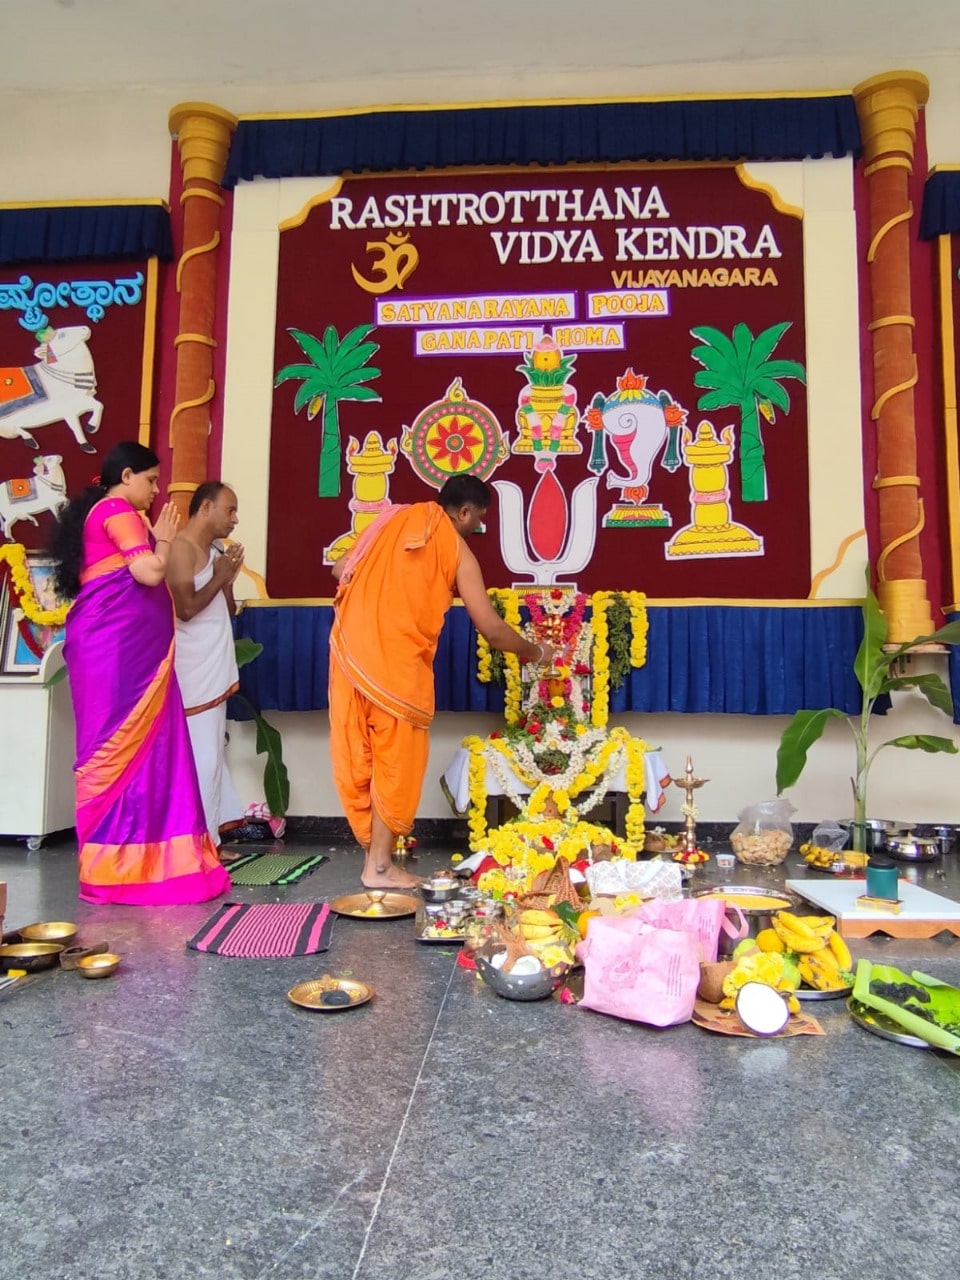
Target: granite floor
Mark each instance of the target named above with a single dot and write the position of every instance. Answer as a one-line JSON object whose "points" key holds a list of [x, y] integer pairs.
{"points": [[183, 1119]]}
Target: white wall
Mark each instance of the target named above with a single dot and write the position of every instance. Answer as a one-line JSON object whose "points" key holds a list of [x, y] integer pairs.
{"points": [[89, 145], [737, 753]]}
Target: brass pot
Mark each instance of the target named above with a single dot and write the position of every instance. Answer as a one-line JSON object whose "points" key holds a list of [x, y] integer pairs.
{"points": [[30, 956]]}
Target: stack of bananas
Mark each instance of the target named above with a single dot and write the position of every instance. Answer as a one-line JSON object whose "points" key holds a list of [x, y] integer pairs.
{"points": [[821, 956], [546, 935], [815, 855]]}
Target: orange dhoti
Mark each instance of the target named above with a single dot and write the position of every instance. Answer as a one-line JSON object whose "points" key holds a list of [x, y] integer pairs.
{"points": [[378, 761], [394, 594]]}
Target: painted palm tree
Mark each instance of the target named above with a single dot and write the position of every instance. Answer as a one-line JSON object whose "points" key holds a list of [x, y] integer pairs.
{"points": [[739, 372], [337, 372]]}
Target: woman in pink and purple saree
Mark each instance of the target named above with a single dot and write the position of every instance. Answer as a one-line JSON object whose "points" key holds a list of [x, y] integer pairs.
{"points": [[140, 822]]}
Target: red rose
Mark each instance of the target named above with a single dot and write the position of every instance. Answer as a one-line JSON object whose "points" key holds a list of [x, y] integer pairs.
{"points": [[496, 734], [533, 726], [581, 669], [555, 594], [548, 843]]}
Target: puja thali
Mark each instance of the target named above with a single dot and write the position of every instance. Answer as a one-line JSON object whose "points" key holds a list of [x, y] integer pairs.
{"points": [[375, 904], [879, 1024], [330, 995]]}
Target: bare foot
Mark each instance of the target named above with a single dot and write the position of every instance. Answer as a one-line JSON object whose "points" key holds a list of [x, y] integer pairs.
{"points": [[390, 877]]}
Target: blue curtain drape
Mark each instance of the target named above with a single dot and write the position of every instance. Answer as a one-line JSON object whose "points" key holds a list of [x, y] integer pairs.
{"points": [[789, 128], [700, 658], [953, 671], [940, 214], [71, 232]]}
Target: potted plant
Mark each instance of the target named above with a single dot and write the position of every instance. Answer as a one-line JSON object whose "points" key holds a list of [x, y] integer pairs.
{"points": [[874, 667]]}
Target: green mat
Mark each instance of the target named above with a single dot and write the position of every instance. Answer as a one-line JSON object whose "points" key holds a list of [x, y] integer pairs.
{"points": [[273, 868]]}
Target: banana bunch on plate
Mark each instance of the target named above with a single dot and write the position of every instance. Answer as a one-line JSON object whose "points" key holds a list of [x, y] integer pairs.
{"points": [[816, 856], [821, 956]]}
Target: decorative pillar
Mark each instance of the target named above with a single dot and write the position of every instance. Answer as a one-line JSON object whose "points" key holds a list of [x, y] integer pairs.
{"points": [[888, 107], [203, 134]]}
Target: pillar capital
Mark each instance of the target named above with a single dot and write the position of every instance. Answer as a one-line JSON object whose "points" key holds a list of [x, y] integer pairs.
{"points": [[203, 132], [888, 106]]}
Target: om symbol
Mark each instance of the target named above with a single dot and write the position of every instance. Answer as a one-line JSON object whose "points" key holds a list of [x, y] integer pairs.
{"points": [[398, 259]]}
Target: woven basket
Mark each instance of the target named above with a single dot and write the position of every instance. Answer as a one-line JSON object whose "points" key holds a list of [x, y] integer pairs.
{"points": [[551, 887]]}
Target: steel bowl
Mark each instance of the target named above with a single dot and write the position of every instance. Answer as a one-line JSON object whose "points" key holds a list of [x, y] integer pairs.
{"points": [[911, 848], [758, 918], [433, 894], [947, 835], [527, 986], [30, 956], [99, 966], [49, 931]]}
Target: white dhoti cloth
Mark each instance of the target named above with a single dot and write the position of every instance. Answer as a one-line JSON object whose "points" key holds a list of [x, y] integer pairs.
{"points": [[206, 666]]}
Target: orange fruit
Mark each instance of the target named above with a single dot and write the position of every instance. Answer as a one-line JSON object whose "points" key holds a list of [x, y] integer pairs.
{"points": [[583, 921]]}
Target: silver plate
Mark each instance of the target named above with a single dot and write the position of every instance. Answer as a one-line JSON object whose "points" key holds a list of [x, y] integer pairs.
{"points": [[879, 1024], [424, 921], [807, 993]]}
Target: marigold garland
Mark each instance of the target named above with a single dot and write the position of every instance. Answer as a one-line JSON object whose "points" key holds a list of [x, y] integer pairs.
{"points": [[22, 588]]}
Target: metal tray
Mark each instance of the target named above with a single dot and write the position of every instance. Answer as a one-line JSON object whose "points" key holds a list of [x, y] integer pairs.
{"points": [[376, 904], [806, 993], [316, 994], [422, 921], [879, 1024]]}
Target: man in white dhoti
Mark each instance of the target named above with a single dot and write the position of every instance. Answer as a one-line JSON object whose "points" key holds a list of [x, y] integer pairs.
{"points": [[200, 574]]}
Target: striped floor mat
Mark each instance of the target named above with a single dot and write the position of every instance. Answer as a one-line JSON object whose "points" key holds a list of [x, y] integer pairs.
{"points": [[266, 930], [273, 868]]}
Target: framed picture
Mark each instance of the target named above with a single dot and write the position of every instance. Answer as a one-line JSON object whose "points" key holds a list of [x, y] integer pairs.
{"points": [[19, 658]]}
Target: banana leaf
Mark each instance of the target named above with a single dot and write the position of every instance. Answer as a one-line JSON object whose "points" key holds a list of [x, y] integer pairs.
{"points": [[939, 999]]}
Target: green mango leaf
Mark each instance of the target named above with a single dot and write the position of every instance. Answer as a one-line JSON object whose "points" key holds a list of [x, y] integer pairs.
{"points": [[924, 742], [796, 740], [567, 912], [930, 685], [872, 663], [247, 650]]}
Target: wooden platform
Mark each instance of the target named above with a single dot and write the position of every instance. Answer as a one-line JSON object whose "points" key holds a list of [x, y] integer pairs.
{"points": [[922, 914]]}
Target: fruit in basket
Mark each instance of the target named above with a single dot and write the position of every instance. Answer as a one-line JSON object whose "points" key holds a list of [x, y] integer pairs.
{"points": [[770, 940], [772, 969], [818, 972], [822, 958], [539, 925]]}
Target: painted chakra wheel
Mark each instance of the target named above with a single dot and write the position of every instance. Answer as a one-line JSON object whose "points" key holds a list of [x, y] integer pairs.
{"points": [[454, 436]]}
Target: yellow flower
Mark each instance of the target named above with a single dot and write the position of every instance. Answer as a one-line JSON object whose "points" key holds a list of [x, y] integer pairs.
{"points": [[456, 857], [580, 730], [556, 701], [16, 556], [476, 781]]}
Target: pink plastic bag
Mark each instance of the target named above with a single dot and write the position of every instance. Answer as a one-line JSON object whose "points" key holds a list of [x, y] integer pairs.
{"points": [[703, 917], [633, 970]]}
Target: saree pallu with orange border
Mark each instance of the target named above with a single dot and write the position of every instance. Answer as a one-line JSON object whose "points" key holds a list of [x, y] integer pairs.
{"points": [[140, 824]]}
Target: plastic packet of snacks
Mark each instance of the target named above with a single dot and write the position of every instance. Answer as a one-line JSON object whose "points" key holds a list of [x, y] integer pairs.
{"points": [[647, 879]]}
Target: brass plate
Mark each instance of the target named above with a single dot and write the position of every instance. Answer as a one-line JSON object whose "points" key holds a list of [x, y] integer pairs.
{"points": [[880, 1025], [325, 995], [49, 931], [375, 904], [30, 955]]}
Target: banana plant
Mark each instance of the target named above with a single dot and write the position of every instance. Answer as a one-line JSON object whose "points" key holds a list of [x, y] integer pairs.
{"points": [[276, 783], [337, 372], [873, 666]]}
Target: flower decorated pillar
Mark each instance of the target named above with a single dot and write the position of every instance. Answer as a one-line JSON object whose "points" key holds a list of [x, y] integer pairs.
{"points": [[888, 107], [203, 134]]}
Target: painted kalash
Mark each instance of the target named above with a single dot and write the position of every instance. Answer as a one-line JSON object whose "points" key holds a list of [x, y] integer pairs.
{"points": [[556, 758]]}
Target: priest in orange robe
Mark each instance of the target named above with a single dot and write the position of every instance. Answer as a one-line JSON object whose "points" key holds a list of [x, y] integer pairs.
{"points": [[395, 587]]}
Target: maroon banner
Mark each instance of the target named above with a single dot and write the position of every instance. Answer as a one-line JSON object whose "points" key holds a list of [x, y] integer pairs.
{"points": [[76, 361], [618, 353]]}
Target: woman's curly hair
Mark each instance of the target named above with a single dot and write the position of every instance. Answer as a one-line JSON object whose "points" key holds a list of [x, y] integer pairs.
{"points": [[66, 546]]}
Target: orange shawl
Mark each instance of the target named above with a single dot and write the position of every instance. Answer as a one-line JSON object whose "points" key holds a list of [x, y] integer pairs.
{"points": [[390, 607]]}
